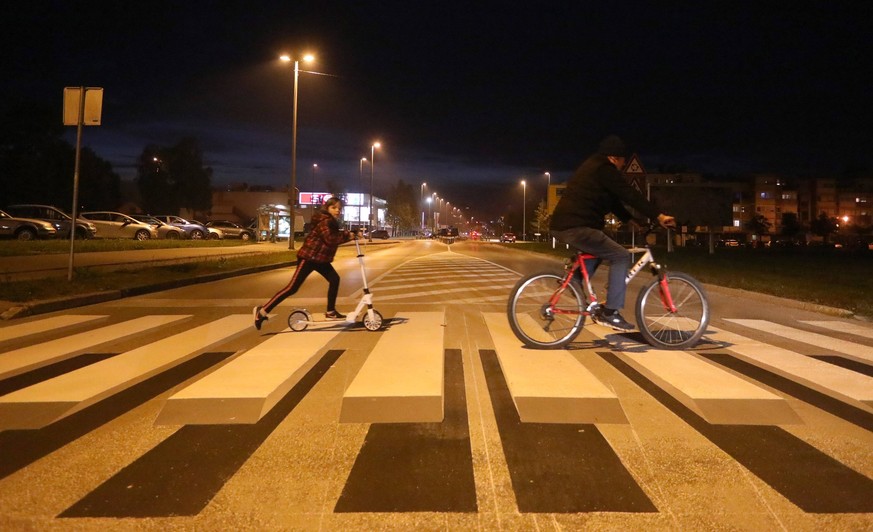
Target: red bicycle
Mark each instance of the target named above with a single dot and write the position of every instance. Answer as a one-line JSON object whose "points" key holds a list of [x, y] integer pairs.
{"points": [[547, 310]]}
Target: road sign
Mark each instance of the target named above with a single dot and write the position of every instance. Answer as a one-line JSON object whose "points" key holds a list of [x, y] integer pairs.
{"points": [[93, 106]]}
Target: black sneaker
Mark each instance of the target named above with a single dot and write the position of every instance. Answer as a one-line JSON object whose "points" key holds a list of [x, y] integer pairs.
{"points": [[334, 315], [612, 319], [259, 318]]}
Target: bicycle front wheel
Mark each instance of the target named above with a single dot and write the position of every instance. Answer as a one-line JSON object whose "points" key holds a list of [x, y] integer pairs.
{"points": [[535, 322], [673, 330]]}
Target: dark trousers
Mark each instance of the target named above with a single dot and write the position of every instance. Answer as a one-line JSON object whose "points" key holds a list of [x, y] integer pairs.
{"points": [[616, 256], [304, 268]]}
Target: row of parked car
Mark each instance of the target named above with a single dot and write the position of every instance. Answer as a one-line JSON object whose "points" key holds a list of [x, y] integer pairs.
{"points": [[29, 222]]}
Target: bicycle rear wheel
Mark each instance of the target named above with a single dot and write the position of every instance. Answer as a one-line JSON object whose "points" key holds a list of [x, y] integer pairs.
{"points": [[673, 330], [531, 319]]}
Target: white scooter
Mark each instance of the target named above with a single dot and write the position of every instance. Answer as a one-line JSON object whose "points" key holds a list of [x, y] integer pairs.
{"points": [[300, 318]]}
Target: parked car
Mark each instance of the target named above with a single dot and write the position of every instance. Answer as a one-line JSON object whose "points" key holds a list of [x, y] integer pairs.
{"points": [[58, 218], [508, 237], [164, 231], [213, 233], [25, 228], [116, 225], [191, 229], [231, 230], [380, 233]]}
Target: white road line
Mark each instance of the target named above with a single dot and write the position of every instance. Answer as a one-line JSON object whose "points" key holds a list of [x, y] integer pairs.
{"points": [[859, 352], [719, 397], [246, 388], [403, 378], [840, 383], [842, 326], [35, 356], [53, 324], [550, 386], [48, 401]]}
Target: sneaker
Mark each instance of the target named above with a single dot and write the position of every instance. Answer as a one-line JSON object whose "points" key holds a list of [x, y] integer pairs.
{"points": [[611, 318], [334, 315], [259, 318]]}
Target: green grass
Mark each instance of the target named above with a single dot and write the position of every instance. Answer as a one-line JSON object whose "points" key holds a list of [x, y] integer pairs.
{"points": [[835, 279], [13, 248]]}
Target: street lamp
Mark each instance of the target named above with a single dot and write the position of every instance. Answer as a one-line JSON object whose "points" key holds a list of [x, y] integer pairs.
{"points": [[523, 210], [548, 188], [421, 202], [372, 171], [314, 168], [292, 200], [361, 185]]}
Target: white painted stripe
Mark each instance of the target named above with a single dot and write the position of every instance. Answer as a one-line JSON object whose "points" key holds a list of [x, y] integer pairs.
{"points": [[36, 356], [714, 394], [844, 327], [550, 386], [48, 401], [246, 388], [402, 380], [840, 383], [53, 324], [859, 352]]}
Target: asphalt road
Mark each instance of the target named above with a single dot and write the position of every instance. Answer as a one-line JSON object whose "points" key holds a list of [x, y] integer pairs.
{"points": [[798, 458]]}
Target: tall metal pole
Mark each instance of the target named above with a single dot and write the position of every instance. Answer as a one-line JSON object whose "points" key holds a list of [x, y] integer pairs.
{"points": [[361, 186], [523, 210], [76, 180], [292, 198], [372, 171]]}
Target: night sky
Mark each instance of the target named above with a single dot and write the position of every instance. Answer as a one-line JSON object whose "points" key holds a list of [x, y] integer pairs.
{"points": [[470, 97]]}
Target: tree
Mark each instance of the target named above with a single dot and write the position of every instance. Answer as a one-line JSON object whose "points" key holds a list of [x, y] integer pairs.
{"points": [[790, 225], [542, 218], [170, 179], [759, 225], [401, 206], [823, 226], [37, 164]]}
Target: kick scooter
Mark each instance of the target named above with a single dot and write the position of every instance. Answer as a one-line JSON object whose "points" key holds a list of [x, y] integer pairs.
{"points": [[300, 318]]}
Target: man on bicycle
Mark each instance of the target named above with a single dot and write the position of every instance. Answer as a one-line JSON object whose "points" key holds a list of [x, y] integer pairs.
{"points": [[596, 189]]}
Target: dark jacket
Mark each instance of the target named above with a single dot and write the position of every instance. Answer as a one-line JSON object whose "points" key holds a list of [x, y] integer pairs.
{"points": [[596, 189], [321, 243]]}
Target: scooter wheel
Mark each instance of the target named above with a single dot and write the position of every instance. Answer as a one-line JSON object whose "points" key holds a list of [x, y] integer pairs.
{"points": [[373, 324], [299, 320]]}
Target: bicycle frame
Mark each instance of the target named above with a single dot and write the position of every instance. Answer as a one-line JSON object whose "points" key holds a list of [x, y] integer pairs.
{"points": [[578, 263]]}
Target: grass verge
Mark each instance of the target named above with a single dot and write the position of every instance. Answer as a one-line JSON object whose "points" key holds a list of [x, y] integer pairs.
{"points": [[832, 278]]}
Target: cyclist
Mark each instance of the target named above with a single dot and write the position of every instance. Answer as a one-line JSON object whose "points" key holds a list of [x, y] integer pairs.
{"points": [[596, 189]]}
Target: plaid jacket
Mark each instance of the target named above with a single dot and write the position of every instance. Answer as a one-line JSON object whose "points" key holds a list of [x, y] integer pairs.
{"points": [[321, 242]]}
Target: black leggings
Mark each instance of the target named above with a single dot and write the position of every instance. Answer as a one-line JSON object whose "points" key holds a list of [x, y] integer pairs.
{"points": [[304, 268]]}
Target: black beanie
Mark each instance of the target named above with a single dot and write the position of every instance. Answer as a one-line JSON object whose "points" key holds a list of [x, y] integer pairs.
{"points": [[612, 145]]}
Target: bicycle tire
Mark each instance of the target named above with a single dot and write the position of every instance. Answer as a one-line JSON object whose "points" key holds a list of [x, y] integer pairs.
{"points": [[664, 329], [527, 314]]}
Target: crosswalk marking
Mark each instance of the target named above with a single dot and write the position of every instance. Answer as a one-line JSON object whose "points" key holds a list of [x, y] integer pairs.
{"points": [[550, 386], [842, 326], [854, 351], [35, 356], [837, 382], [46, 402], [717, 396], [249, 386], [54, 324], [402, 380]]}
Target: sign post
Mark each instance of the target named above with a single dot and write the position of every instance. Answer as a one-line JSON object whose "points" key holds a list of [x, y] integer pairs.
{"points": [[83, 106]]}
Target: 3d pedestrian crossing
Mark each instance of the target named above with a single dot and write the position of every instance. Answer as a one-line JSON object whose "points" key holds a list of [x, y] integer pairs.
{"points": [[402, 381]]}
